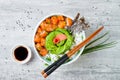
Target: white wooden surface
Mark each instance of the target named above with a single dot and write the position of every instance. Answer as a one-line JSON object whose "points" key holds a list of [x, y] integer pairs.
{"points": [[18, 20]]}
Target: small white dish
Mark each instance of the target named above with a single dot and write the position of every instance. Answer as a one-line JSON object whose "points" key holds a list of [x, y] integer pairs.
{"points": [[29, 54]]}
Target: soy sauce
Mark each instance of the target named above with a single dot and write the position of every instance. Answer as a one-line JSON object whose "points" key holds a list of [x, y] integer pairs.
{"points": [[21, 53]]}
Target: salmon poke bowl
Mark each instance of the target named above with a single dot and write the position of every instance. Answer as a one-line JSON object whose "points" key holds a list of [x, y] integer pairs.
{"points": [[52, 38]]}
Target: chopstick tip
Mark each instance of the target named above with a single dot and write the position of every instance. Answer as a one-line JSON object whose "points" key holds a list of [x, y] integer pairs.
{"points": [[102, 26], [42, 72], [45, 75]]}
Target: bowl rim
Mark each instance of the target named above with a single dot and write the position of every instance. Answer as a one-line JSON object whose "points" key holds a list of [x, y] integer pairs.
{"points": [[36, 52]]}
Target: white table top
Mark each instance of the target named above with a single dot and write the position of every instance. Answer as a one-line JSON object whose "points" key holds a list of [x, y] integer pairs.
{"points": [[18, 20]]}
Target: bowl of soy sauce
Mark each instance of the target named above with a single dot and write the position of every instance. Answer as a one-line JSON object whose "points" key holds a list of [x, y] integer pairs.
{"points": [[22, 54]]}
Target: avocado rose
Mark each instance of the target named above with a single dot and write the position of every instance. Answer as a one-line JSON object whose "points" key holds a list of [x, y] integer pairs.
{"points": [[58, 41]]}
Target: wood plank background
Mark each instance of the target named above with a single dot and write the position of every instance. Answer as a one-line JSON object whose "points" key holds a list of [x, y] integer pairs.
{"points": [[18, 20]]}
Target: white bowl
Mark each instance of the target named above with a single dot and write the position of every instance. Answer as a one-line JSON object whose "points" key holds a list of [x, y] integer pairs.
{"points": [[74, 57]]}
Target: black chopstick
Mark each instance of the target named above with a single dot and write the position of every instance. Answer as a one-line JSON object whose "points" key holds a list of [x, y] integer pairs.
{"points": [[56, 62], [55, 66]]}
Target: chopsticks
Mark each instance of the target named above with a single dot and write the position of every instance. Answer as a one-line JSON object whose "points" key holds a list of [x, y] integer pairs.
{"points": [[65, 57]]}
